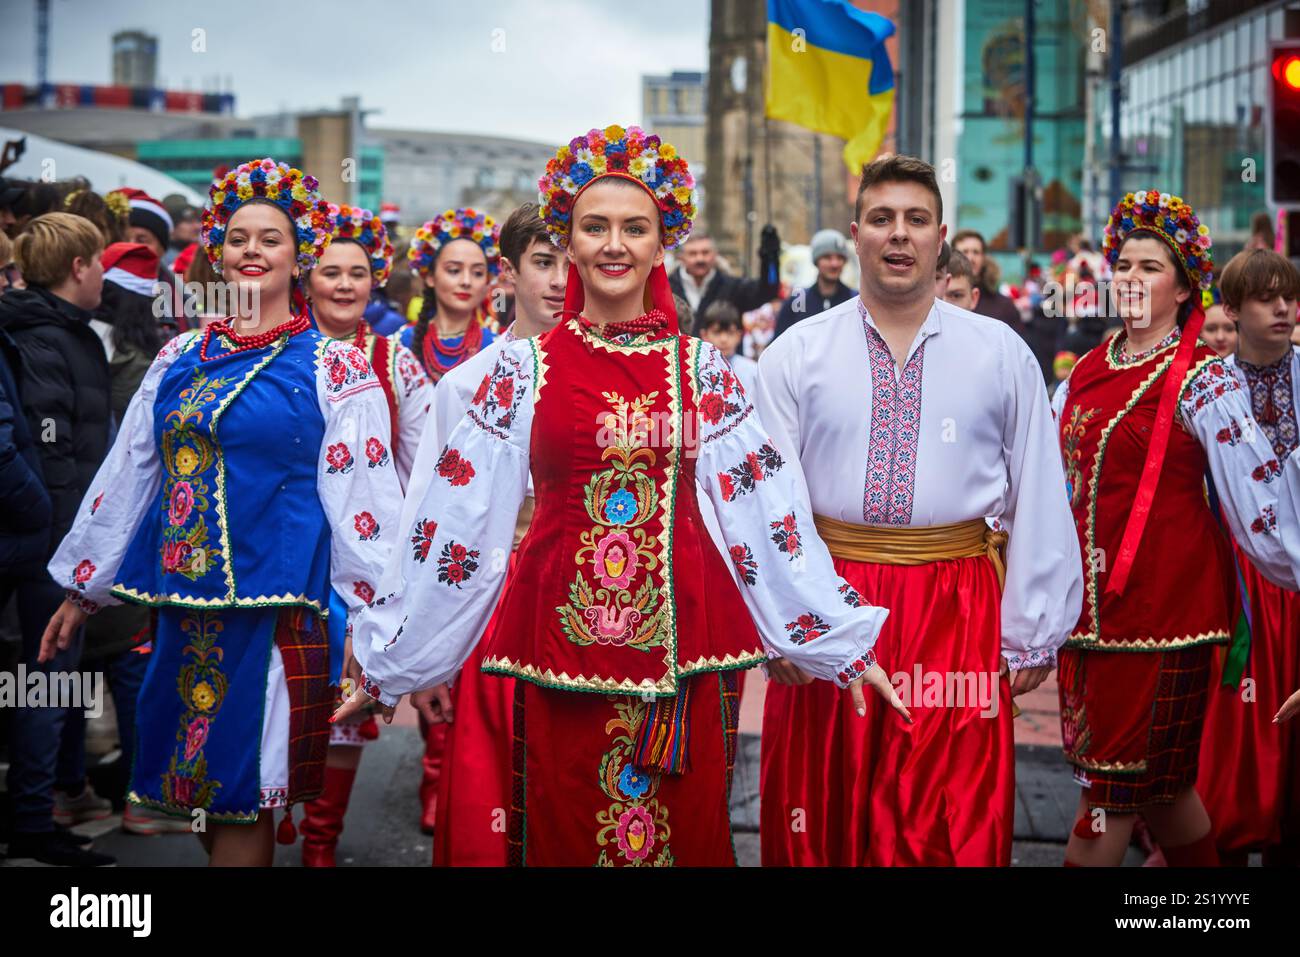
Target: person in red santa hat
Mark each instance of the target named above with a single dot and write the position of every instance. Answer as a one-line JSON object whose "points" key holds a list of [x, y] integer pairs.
{"points": [[149, 224]]}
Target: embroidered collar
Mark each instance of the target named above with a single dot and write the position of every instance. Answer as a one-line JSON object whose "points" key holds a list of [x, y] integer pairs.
{"points": [[932, 326], [1119, 360], [1279, 367]]}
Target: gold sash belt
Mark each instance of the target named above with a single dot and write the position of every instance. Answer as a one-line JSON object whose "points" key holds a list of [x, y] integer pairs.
{"points": [[903, 545]]}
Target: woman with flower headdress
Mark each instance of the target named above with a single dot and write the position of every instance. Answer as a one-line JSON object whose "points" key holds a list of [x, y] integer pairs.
{"points": [[621, 622], [358, 259], [1141, 419], [456, 276], [223, 507]]}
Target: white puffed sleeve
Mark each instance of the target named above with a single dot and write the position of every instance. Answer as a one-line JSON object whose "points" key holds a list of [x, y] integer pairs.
{"points": [[414, 392], [1247, 475], [1043, 591], [804, 611], [446, 577], [123, 490], [356, 478]]}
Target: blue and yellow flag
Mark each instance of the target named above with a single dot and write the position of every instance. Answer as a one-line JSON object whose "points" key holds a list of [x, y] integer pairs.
{"points": [[828, 70]]}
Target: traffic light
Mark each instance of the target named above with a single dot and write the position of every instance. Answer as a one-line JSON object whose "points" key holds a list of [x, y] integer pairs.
{"points": [[1284, 124]]}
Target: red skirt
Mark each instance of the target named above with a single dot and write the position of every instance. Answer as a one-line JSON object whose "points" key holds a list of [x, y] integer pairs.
{"points": [[474, 792], [1131, 722], [578, 801], [840, 790], [1248, 765]]}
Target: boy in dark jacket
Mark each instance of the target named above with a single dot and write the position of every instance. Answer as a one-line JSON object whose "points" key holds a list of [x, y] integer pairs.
{"points": [[65, 399]]}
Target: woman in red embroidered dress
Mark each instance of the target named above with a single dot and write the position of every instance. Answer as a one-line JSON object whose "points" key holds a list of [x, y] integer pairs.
{"points": [[1141, 418], [623, 623]]}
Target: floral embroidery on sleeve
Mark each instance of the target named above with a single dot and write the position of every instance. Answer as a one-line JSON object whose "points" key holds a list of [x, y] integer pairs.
{"points": [[1267, 472], [857, 668], [422, 540], [339, 458], [1209, 384], [851, 596], [346, 370], [409, 371], [454, 467], [457, 564], [376, 453], [94, 506], [785, 535], [496, 403], [84, 571], [366, 526], [364, 591], [1265, 522], [746, 567], [807, 627], [742, 478]]}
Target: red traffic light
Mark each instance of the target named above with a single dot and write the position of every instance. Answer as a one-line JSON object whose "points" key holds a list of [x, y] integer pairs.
{"points": [[1286, 70]]}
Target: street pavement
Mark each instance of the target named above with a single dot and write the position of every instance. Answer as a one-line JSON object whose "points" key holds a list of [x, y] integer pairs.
{"points": [[382, 825]]}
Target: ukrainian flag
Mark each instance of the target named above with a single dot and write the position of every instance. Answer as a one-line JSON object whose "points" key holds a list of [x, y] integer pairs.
{"points": [[828, 70]]}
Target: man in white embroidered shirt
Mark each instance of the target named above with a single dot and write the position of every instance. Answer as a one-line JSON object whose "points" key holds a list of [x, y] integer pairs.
{"points": [[914, 419]]}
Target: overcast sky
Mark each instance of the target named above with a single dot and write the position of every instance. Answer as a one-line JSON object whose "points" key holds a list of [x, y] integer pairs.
{"points": [[567, 65]]}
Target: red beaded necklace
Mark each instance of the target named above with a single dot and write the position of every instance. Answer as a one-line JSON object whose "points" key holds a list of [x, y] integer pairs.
{"points": [[359, 337], [469, 345], [242, 343], [645, 324]]}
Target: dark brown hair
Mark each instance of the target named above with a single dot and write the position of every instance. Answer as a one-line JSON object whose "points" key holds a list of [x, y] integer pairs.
{"points": [[1257, 272], [522, 228], [721, 315], [898, 168]]}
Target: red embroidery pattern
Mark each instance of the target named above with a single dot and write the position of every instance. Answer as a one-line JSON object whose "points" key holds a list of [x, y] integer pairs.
{"points": [[785, 535], [457, 564], [496, 403], [344, 366], [94, 506], [742, 478], [339, 458], [1267, 472], [85, 569], [857, 668], [364, 591], [455, 468], [1265, 522], [366, 526], [746, 567], [1209, 385], [895, 432], [376, 453], [807, 627], [1230, 434], [422, 540], [851, 596]]}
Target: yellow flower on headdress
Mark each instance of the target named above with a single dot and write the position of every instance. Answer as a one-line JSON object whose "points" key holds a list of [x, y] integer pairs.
{"points": [[477, 234], [449, 214], [598, 164], [667, 151], [245, 192], [1203, 230], [682, 193], [299, 193], [615, 132]]}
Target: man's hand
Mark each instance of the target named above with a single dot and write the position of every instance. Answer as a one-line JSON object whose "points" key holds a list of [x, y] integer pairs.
{"points": [[58, 633], [784, 672], [434, 703], [356, 704], [879, 681], [1026, 679]]}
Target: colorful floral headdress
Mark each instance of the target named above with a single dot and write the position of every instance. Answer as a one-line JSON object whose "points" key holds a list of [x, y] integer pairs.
{"points": [[1174, 221], [286, 187], [629, 153], [463, 223], [353, 222]]}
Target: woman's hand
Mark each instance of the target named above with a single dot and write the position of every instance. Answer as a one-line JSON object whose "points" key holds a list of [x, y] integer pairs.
{"points": [[875, 677], [1026, 679], [1290, 708], [434, 703], [58, 633]]}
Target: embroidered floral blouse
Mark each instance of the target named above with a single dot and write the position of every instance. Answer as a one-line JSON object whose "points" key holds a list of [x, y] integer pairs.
{"points": [[1215, 409], [802, 609], [355, 480]]}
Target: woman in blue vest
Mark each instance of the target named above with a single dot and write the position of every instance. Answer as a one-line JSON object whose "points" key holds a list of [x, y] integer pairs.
{"points": [[251, 474]]}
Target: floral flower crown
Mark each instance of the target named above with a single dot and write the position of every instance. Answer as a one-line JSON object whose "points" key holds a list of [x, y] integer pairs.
{"points": [[463, 223], [1170, 218], [616, 151], [286, 187], [353, 222]]}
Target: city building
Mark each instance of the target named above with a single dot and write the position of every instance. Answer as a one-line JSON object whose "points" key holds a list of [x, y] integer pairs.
{"points": [[1193, 109], [674, 107], [135, 59]]}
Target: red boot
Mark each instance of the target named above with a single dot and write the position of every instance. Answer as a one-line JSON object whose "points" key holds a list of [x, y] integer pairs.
{"points": [[323, 822], [435, 742]]}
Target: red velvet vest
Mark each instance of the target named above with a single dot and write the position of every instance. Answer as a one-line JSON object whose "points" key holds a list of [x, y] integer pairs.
{"points": [[1181, 588], [617, 585]]}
